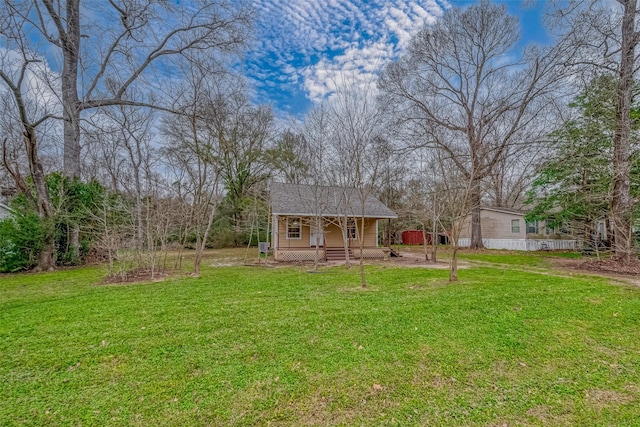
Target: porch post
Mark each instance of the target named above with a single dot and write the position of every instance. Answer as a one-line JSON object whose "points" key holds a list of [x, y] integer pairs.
{"points": [[274, 232]]}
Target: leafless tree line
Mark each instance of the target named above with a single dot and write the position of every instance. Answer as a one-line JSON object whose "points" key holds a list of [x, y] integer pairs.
{"points": [[188, 149]]}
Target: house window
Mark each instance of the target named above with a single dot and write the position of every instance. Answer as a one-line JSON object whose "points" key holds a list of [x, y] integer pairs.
{"points": [[352, 230], [515, 225], [550, 230], [294, 228], [532, 227]]}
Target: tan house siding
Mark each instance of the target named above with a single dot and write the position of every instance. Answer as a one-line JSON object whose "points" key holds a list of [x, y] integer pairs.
{"points": [[370, 232], [496, 225], [332, 235], [497, 233], [284, 243]]}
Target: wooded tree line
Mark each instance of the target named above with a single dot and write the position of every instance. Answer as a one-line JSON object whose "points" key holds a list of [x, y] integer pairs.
{"points": [[135, 131]]}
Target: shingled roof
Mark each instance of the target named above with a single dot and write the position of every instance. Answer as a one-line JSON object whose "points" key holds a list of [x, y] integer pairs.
{"points": [[309, 200]]}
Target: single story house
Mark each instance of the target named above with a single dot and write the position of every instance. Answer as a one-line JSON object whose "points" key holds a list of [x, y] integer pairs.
{"points": [[504, 228], [304, 217]]}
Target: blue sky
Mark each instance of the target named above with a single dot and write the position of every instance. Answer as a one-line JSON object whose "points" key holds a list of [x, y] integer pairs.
{"points": [[302, 46]]}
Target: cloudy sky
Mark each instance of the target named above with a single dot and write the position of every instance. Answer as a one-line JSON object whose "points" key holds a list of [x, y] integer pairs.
{"points": [[303, 46]]}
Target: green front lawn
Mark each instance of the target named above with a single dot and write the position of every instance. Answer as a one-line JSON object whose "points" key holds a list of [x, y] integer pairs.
{"points": [[280, 346], [531, 259]]}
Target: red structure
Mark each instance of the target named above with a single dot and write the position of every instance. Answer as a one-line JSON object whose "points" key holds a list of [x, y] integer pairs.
{"points": [[414, 237]]}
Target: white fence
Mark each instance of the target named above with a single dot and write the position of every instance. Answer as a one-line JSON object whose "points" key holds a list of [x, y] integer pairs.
{"points": [[525, 244]]}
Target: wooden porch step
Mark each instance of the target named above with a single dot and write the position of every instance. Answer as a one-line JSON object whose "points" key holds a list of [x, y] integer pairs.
{"points": [[337, 254]]}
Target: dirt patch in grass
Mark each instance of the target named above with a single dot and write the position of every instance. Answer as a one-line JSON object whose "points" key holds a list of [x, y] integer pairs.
{"points": [[610, 266], [416, 260], [135, 276], [599, 267], [541, 412], [600, 399], [407, 260], [546, 415], [226, 262], [430, 285]]}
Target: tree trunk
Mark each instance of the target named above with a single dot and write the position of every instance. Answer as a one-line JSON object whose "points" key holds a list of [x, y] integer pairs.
{"points": [[424, 241], [70, 102], [202, 241], [476, 228], [47, 257], [345, 241], [621, 204], [434, 241], [319, 227], [139, 221], [198, 257], [70, 43], [363, 279], [453, 266]]}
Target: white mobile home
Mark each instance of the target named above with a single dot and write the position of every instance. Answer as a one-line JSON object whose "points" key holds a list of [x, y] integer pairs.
{"points": [[504, 228]]}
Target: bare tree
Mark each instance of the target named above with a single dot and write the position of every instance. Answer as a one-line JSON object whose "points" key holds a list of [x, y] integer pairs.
{"points": [[466, 75], [458, 196], [18, 73], [120, 150], [512, 175], [357, 152], [120, 144], [243, 133], [428, 201], [108, 47], [133, 43], [190, 154], [315, 131]]}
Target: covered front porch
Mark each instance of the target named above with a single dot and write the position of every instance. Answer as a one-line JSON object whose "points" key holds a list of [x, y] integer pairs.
{"points": [[303, 238]]}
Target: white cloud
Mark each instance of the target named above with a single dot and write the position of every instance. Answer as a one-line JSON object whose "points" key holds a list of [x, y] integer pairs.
{"points": [[319, 42]]}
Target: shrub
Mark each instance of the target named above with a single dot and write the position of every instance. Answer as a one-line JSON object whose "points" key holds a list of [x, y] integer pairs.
{"points": [[21, 238]]}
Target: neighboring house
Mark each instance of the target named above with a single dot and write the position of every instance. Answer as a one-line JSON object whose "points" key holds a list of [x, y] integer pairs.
{"points": [[504, 228], [305, 215]]}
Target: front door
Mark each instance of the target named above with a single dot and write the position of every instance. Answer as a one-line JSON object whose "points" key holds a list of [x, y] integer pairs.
{"points": [[316, 236]]}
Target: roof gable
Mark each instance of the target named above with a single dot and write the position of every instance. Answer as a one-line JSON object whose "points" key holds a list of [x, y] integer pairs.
{"points": [[309, 200], [504, 210]]}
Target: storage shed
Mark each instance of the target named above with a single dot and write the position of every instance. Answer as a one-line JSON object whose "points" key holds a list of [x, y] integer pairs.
{"points": [[412, 237]]}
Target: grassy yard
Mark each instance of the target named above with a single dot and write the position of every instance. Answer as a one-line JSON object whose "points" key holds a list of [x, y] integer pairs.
{"points": [[281, 346]]}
